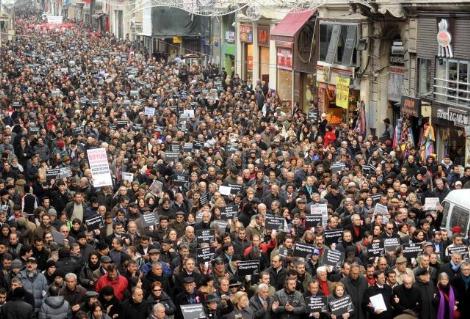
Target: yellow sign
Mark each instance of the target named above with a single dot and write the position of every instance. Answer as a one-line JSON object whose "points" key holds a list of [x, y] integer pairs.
{"points": [[342, 92], [177, 40]]}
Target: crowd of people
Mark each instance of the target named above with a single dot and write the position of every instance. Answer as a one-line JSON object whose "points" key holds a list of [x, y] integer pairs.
{"points": [[223, 204]]}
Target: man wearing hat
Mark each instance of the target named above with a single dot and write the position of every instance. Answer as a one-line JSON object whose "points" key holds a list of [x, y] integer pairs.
{"points": [[401, 270], [188, 296], [34, 282], [427, 292]]}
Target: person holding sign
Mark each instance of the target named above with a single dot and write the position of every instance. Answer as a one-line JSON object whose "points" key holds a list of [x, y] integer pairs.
{"points": [[315, 301], [288, 302], [378, 298], [339, 303]]}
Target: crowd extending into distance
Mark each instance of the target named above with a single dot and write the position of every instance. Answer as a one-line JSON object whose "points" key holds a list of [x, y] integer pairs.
{"points": [[223, 203]]}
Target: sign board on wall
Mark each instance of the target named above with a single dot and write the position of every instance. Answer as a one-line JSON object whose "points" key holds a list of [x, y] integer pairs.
{"points": [[410, 106], [342, 92], [457, 116], [263, 35], [246, 33], [284, 58]]}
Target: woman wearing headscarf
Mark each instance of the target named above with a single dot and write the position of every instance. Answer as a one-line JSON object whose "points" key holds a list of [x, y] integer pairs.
{"points": [[445, 298]]}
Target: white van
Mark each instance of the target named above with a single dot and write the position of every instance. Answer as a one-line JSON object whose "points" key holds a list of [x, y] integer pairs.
{"points": [[456, 210]]}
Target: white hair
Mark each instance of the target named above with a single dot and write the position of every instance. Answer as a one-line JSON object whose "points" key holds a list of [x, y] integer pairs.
{"points": [[321, 269]]}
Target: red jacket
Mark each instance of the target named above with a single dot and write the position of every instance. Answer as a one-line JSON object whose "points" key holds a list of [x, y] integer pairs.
{"points": [[329, 138], [119, 285]]}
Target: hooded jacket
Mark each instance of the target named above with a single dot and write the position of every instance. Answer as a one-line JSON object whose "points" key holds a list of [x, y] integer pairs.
{"points": [[55, 307]]}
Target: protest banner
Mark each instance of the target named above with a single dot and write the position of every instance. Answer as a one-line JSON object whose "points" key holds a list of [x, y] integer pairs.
{"points": [[156, 187], [462, 250], [333, 236], [247, 267], [274, 223], [431, 203], [229, 211], [340, 306], [337, 167], [180, 178], [316, 304], [99, 166], [375, 249], [221, 225], [312, 221], [195, 311], [126, 176], [391, 244], [411, 250], [333, 257], [205, 236], [205, 254], [150, 219], [303, 250], [224, 190], [320, 210], [94, 222], [149, 111]]}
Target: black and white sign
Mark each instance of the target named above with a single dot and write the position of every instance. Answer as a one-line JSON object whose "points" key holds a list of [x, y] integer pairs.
{"points": [[391, 244], [312, 221], [333, 236], [375, 249], [333, 257], [303, 250], [247, 267], [180, 178], [221, 225], [460, 249], [340, 306], [316, 304], [337, 167], [195, 311], [94, 222], [149, 111], [171, 156], [228, 212], [149, 219], [274, 223], [205, 254], [411, 250], [205, 235]]}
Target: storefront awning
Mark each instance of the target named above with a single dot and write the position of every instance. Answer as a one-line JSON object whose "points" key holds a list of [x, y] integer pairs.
{"points": [[288, 27]]}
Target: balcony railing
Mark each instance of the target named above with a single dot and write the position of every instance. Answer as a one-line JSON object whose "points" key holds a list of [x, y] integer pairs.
{"points": [[451, 92]]}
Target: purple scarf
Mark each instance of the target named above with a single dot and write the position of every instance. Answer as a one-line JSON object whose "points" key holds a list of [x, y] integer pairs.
{"points": [[442, 307]]}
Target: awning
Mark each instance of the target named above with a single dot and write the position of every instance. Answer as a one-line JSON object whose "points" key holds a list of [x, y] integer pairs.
{"points": [[288, 27]]}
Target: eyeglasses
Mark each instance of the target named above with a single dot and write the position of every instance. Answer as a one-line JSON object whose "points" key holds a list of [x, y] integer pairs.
{"points": [[157, 290]]}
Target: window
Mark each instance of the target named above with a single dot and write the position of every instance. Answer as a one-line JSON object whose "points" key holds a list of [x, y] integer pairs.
{"points": [[452, 84], [445, 213], [424, 77], [459, 217], [338, 43]]}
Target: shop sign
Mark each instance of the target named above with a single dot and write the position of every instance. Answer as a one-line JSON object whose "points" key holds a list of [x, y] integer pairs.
{"points": [[444, 39], [342, 92], [410, 106], [249, 62], [458, 117], [284, 59], [230, 36], [246, 33], [263, 35]]}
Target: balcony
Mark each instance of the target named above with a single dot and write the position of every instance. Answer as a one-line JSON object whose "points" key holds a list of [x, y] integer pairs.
{"points": [[452, 92]]}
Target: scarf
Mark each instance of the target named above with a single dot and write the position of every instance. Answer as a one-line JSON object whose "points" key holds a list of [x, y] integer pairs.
{"points": [[324, 288], [444, 297]]}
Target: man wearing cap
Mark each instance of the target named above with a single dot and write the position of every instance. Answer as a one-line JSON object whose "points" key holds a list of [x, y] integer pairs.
{"points": [[34, 282], [188, 296], [401, 270], [427, 292]]}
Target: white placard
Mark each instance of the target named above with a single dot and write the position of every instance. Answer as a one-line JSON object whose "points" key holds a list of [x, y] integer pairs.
{"points": [[149, 111], [378, 302], [188, 114], [225, 190], [431, 203], [99, 166], [126, 176], [55, 19]]}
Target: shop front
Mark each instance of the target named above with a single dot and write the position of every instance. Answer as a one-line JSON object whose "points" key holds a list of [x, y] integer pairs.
{"points": [[295, 38], [444, 80], [246, 40], [338, 88], [263, 44], [451, 124]]}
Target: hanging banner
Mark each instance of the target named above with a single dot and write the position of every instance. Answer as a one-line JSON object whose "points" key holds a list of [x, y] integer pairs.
{"points": [[342, 92], [99, 166]]}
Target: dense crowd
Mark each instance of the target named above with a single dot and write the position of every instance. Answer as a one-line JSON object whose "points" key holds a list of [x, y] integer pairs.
{"points": [[223, 204]]}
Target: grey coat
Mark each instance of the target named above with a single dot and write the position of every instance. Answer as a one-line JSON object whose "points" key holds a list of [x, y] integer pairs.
{"points": [[295, 299], [36, 285], [55, 307]]}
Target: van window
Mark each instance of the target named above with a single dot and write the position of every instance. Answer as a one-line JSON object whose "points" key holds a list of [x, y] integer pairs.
{"points": [[445, 212], [459, 217]]}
